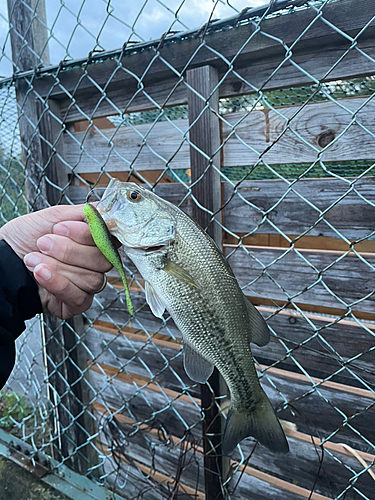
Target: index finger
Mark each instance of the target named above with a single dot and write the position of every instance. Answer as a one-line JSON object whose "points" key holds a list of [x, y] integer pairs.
{"points": [[75, 230], [78, 232]]}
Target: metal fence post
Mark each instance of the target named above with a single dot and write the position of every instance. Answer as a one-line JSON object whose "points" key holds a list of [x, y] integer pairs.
{"points": [[204, 138]]}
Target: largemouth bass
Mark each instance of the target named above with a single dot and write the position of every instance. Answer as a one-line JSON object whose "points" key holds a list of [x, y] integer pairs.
{"points": [[187, 275]]}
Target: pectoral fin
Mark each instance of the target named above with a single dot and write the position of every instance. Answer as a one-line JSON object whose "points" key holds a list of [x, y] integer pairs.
{"points": [[196, 367], [153, 300], [259, 332], [179, 273]]}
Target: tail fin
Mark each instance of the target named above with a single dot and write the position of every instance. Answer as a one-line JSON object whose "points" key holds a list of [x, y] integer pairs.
{"points": [[260, 422]]}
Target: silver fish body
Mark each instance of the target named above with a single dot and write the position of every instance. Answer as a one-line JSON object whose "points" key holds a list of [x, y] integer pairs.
{"points": [[186, 274]]}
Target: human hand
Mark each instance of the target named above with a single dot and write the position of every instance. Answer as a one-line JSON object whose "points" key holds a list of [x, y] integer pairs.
{"points": [[57, 247]]}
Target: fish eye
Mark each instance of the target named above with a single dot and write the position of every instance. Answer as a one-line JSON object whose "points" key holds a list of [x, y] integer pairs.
{"points": [[134, 196]]}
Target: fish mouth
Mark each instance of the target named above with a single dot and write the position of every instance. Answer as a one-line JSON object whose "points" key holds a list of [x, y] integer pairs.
{"points": [[152, 249]]}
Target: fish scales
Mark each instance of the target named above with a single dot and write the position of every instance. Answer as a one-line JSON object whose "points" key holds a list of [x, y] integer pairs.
{"points": [[186, 274], [208, 319]]}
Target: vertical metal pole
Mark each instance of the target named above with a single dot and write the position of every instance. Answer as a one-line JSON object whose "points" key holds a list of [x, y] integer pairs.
{"points": [[39, 132], [204, 136]]}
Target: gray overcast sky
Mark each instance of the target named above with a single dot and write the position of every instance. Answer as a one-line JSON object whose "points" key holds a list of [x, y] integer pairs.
{"points": [[77, 26]]}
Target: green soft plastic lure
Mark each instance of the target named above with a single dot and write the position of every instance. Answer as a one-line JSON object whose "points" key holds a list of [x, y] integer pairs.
{"points": [[102, 239]]}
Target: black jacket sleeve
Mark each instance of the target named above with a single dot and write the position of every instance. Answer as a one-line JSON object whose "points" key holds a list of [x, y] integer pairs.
{"points": [[19, 300]]}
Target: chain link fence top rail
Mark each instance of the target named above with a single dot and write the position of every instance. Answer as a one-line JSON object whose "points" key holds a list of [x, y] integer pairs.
{"points": [[258, 122]]}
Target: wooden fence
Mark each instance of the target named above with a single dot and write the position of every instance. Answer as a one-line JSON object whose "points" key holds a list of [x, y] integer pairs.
{"points": [[318, 367]]}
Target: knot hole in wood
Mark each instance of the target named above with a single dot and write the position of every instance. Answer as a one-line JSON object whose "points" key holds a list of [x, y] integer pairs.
{"points": [[325, 138]]}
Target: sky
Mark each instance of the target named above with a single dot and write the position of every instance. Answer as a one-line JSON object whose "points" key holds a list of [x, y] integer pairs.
{"points": [[77, 27]]}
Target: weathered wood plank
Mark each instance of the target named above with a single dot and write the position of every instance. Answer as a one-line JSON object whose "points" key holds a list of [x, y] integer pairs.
{"points": [[127, 98], [296, 343], [132, 353], [290, 134], [241, 43], [322, 410], [123, 98], [351, 216], [136, 480], [256, 488], [148, 406], [297, 134], [347, 338], [307, 467], [348, 279], [156, 450], [144, 147], [300, 469], [292, 346], [314, 406]]}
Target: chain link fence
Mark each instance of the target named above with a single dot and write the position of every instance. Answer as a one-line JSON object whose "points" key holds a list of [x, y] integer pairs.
{"points": [[258, 122]]}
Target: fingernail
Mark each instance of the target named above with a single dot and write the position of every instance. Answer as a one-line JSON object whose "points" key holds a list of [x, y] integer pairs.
{"points": [[43, 272], [44, 244], [61, 229], [31, 260]]}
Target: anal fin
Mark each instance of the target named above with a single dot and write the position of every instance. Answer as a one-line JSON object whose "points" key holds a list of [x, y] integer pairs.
{"points": [[196, 367]]}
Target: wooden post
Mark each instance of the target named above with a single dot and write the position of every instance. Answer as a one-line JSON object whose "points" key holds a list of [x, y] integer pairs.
{"points": [[204, 135], [39, 130], [28, 52]]}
